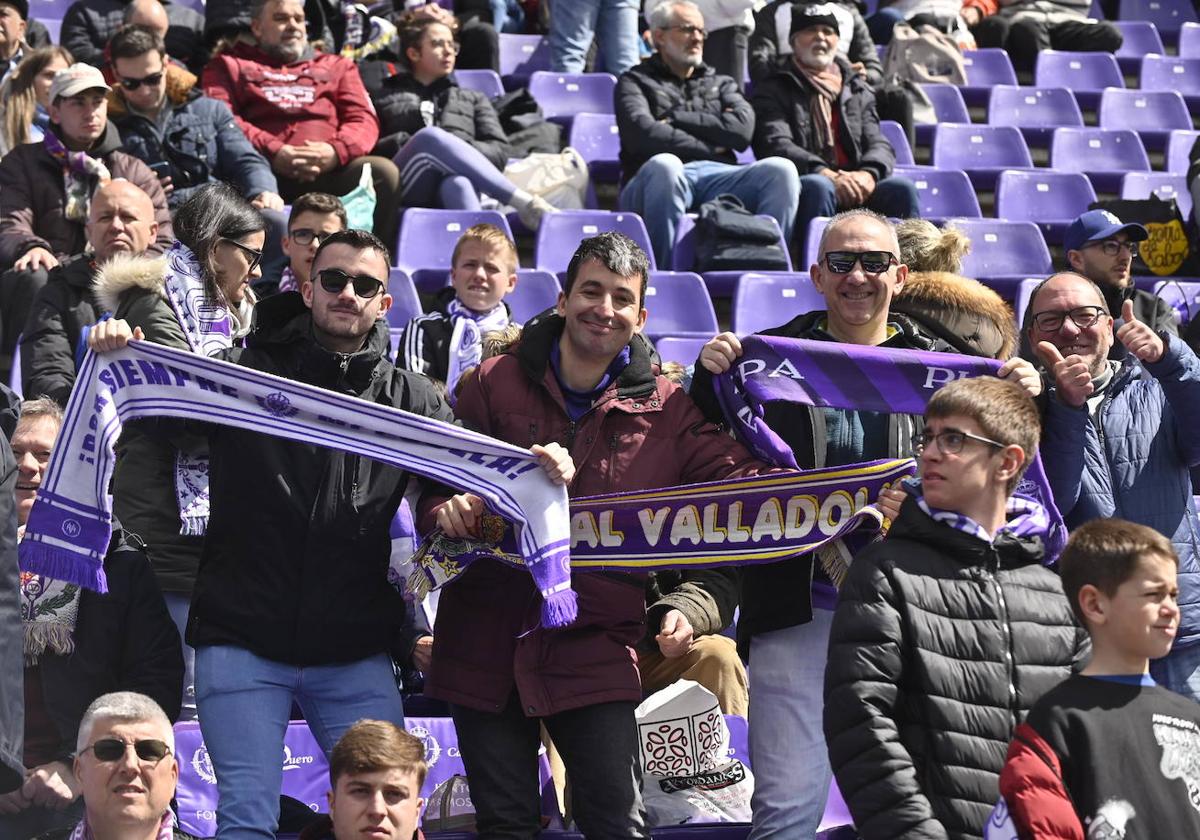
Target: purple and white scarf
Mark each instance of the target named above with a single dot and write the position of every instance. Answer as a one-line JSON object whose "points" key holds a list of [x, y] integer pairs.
{"points": [[79, 168], [71, 521], [1024, 516], [166, 829], [288, 281], [832, 374], [466, 338]]}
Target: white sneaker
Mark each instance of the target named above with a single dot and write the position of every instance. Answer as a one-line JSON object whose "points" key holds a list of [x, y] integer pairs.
{"points": [[531, 214]]}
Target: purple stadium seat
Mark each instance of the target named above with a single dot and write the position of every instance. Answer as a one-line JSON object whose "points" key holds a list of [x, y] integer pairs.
{"points": [[1183, 296], [1050, 199], [14, 376], [1164, 72], [812, 244], [982, 151], [1036, 111], [679, 305], [1086, 74], [1004, 253], [1162, 184], [521, 56], [406, 303], [674, 348], [985, 69], [1103, 154], [893, 132], [42, 9], [595, 137], [1168, 15], [1179, 148], [745, 156], [942, 192], [427, 238], [1024, 292], [1151, 113], [1140, 38], [53, 27], [563, 95], [762, 301], [948, 106], [486, 82], [560, 233], [1189, 41], [719, 283], [536, 292]]}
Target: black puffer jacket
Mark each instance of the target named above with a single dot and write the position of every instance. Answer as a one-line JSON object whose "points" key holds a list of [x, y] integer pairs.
{"points": [[704, 117], [783, 103], [467, 114], [941, 643], [295, 560], [12, 707], [60, 312], [90, 24]]}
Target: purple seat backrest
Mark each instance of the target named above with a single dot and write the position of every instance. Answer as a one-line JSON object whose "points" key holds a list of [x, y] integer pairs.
{"points": [[1164, 72], [762, 301], [987, 67], [979, 146], [1097, 149], [678, 303], [568, 94], [1077, 70], [406, 303], [1042, 196], [942, 192], [1168, 15], [893, 132], [536, 291], [1004, 248], [427, 236], [682, 349], [486, 82], [1189, 41], [1024, 293], [560, 233], [1139, 38], [1163, 184], [1179, 148], [1033, 107], [1160, 110], [1184, 297], [522, 55], [595, 137], [948, 103], [57, 9]]}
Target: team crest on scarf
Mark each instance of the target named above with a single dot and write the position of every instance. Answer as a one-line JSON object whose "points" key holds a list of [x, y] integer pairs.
{"points": [[277, 405]]}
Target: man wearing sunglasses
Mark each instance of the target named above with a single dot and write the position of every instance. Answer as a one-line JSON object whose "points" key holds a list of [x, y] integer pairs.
{"points": [[787, 607], [1120, 436]]}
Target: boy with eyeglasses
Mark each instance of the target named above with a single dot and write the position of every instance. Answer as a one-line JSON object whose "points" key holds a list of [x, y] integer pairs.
{"points": [[315, 216], [1121, 436], [950, 629]]}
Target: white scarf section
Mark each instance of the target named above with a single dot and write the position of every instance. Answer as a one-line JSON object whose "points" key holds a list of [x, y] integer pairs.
{"points": [[209, 328], [71, 520], [466, 340]]}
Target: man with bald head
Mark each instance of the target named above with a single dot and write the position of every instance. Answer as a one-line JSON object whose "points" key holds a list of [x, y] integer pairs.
{"points": [[148, 13], [120, 222], [1120, 436]]}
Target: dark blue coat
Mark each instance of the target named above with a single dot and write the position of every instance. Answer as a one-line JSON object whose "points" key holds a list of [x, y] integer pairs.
{"points": [[1131, 461]]}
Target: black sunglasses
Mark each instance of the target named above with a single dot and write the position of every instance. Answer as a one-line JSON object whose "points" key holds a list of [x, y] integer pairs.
{"points": [[333, 280], [873, 262], [150, 81], [113, 749], [254, 257]]}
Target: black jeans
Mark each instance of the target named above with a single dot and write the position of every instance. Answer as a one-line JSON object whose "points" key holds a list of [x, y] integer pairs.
{"points": [[599, 746], [1025, 37]]}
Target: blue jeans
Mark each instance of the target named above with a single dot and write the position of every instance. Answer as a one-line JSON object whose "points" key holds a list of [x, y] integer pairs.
{"points": [[178, 605], [893, 197], [244, 703], [1179, 671], [787, 739], [573, 25], [666, 188]]}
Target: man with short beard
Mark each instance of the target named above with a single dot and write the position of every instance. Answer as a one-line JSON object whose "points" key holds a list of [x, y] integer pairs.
{"points": [[308, 113], [817, 112]]}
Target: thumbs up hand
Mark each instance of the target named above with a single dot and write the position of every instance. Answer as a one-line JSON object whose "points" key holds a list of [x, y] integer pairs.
{"points": [[1139, 339], [1071, 375]]}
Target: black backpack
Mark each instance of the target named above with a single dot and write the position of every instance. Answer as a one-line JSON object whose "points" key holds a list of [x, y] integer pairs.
{"points": [[729, 237]]}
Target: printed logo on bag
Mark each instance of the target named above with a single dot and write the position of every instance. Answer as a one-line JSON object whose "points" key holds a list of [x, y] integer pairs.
{"points": [[433, 750], [713, 780], [202, 764], [277, 405], [294, 762]]}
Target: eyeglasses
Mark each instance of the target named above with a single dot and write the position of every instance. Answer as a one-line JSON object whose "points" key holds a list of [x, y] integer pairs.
{"points": [[113, 749], [689, 30], [1082, 316], [252, 256], [949, 441], [150, 81], [448, 46], [1112, 247], [873, 262], [307, 236], [334, 280]]}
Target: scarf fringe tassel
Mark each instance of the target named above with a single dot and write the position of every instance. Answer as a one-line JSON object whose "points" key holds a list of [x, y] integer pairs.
{"points": [[559, 608], [41, 636], [51, 562], [193, 526]]}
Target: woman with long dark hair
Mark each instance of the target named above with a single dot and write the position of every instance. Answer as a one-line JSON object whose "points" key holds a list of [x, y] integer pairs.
{"points": [[25, 95], [195, 298]]}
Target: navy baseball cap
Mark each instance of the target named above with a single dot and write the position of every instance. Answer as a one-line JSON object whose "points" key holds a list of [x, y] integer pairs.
{"points": [[1098, 225]]}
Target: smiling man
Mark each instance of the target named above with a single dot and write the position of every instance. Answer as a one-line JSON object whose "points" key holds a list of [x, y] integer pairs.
{"points": [[1121, 436]]}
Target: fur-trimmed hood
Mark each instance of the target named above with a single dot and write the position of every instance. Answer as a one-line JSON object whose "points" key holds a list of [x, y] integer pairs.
{"points": [[964, 312]]}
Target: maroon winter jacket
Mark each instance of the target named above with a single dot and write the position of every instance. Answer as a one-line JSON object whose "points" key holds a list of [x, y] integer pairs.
{"points": [[320, 97], [643, 433]]}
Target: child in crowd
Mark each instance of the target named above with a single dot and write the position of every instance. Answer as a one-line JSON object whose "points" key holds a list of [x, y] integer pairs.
{"points": [[948, 630], [445, 343], [314, 216], [1108, 753]]}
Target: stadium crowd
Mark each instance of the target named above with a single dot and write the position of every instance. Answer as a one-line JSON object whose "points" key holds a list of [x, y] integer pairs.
{"points": [[1011, 641]]}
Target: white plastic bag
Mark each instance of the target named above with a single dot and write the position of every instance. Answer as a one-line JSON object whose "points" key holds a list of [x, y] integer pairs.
{"points": [[561, 179]]}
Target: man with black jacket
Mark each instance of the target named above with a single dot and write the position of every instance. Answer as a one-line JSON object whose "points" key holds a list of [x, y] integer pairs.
{"points": [[817, 112], [680, 124], [292, 602]]}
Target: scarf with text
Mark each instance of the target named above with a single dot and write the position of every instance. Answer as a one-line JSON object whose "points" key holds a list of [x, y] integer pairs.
{"points": [[78, 170], [466, 338], [71, 520], [829, 374]]}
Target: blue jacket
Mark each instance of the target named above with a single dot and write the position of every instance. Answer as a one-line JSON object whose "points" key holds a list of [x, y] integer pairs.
{"points": [[1132, 460], [199, 141]]}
